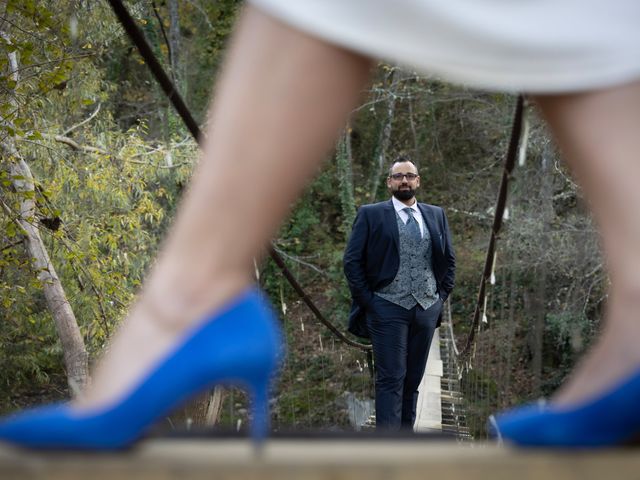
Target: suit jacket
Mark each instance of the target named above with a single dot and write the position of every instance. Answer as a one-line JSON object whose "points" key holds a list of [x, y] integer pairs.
{"points": [[372, 258]]}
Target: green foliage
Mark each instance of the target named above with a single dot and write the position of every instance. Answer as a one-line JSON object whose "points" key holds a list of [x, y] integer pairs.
{"points": [[567, 335], [101, 206]]}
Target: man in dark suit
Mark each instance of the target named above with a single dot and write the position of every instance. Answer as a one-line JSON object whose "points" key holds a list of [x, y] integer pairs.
{"points": [[400, 266]]}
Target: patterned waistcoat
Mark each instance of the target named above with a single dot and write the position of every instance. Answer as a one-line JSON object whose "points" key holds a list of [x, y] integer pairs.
{"points": [[414, 283]]}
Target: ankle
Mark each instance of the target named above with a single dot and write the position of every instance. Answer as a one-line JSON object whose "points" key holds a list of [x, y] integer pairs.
{"points": [[178, 305]]}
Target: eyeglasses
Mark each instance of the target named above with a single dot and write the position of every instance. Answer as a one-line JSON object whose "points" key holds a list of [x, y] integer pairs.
{"points": [[400, 176]]}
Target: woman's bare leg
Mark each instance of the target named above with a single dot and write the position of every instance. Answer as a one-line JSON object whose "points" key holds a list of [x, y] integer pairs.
{"points": [[278, 107], [599, 133]]}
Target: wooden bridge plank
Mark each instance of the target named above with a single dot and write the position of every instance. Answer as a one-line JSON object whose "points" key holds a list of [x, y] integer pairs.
{"points": [[319, 459]]}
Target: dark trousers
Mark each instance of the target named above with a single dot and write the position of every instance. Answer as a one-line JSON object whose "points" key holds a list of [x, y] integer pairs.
{"points": [[401, 340]]}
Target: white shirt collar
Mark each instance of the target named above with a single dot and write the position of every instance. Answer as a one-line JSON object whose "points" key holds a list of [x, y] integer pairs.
{"points": [[399, 206]]}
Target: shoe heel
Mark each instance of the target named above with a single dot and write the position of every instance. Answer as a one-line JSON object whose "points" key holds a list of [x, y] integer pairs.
{"points": [[260, 406]]}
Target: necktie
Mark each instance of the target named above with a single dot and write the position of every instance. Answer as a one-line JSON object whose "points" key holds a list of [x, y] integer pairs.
{"points": [[412, 225]]}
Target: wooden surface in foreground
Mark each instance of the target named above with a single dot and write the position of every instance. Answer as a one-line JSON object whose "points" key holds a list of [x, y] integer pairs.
{"points": [[320, 459]]}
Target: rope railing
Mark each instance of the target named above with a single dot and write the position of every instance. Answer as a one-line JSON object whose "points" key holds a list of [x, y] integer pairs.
{"points": [[453, 411], [475, 370], [501, 202], [137, 37], [169, 89]]}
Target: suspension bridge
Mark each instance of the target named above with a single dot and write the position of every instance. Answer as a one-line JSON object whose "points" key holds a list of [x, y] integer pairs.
{"points": [[315, 371]]}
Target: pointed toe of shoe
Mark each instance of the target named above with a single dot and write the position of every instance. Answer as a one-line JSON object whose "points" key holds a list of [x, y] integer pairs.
{"points": [[607, 421], [41, 427], [552, 429], [518, 426]]}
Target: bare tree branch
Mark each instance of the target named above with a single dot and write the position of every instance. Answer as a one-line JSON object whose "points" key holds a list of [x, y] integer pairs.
{"points": [[301, 262], [87, 120], [76, 146], [140, 162]]}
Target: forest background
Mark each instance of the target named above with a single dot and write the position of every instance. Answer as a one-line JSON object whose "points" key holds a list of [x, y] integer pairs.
{"points": [[94, 161]]}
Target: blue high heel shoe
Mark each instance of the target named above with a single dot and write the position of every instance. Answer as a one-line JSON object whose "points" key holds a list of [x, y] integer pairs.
{"points": [[612, 419], [241, 344]]}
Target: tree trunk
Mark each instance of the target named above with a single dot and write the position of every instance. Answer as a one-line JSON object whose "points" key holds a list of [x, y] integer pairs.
{"points": [[385, 139], [75, 355], [76, 359], [345, 179], [174, 41]]}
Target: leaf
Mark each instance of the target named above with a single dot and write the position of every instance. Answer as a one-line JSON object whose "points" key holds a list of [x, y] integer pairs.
{"points": [[34, 135], [11, 230]]}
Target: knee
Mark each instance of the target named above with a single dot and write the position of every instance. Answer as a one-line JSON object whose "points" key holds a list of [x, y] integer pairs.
{"points": [[390, 381]]}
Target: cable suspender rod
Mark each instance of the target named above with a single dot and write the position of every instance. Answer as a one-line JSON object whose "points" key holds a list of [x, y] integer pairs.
{"points": [[172, 94]]}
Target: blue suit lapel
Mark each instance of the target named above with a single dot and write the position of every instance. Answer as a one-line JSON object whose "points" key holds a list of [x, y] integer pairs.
{"points": [[432, 225], [390, 220]]}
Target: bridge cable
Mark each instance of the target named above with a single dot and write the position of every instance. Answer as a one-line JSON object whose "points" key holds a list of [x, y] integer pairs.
{"points": [[137, 37], [501, 202]]}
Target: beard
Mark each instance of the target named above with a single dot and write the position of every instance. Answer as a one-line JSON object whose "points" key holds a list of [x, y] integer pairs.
{"points": [[404, 195]]}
